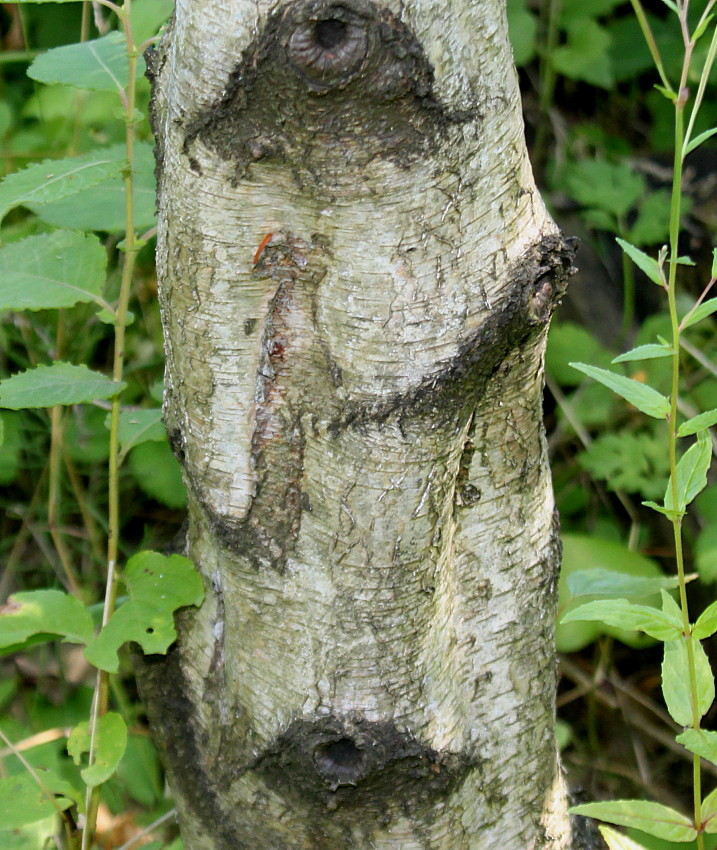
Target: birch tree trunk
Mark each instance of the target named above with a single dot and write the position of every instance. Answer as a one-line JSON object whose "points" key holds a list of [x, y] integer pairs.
{"points": [[356, 276]]}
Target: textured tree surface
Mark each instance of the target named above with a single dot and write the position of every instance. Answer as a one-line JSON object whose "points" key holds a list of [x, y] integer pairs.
{"points": [[356, 279]]}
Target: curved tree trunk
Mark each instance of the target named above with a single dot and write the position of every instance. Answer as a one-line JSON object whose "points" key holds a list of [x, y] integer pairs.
{"points": [[356, 278]]}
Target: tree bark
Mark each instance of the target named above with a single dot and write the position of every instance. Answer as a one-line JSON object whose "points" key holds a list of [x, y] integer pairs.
{"points": [[356, 277]]}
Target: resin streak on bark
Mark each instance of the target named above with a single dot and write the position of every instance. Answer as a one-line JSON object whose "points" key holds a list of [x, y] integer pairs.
{"points": [[356, 401]]}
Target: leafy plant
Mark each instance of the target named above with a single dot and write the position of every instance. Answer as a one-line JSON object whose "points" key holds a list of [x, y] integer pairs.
{"points": [[687, 681], [54, 275]]}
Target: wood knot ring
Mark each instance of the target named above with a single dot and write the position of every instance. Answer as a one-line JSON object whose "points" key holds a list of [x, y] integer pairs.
{"points": [[328, 45]]}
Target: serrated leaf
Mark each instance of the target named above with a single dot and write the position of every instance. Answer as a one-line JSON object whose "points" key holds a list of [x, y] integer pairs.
{"points": [[110, 743], [157, 586], [706, 308], [607, 583], [701, 742], [612, 188], [98, 65], [59, 383], [618, 841], [692, 471], [706, 624], [676, 677], [652, 224], [652, 818], [585, 55], [22, 801], [46, 612], [54, 179], [634, 463], [640, 395], [644, 352], [698, 140], [102, 207], [624, 614], [644, 262], [140, 426], [52, 270]]}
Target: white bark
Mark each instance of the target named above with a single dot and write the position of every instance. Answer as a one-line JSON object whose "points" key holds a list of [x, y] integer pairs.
{"points": [[358, 413]]}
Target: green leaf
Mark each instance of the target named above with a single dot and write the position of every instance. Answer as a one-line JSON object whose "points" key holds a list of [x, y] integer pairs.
{"points": [[634, 463], [644, 262], [568, 341], [706, 308], [652, 224], [102, 207], [582, 553], [628, 615], [706, 624], [641, 396], [585, 55], [617, 841], [158, 473], [22, 801], [698, 423], [608, 583], [147, 16], [676, 677], [110, 743], [706, 553], [613, 188], [697, 141], [98, 65], [652, 818], [523, 27], [140, 426], [157, 586], [59, 383], [701, 742], [54, 179], [571, 9], [51, 270], [692, 471], [44, 612], [709, 810], [644, 352]]}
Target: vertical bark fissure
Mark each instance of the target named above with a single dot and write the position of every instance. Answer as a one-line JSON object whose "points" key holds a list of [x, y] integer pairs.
{"points": [[356, 279]]}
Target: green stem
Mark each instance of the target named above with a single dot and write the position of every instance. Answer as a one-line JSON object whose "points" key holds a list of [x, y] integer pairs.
{"points": [[101, 701], [675, 215], [548, 78]]}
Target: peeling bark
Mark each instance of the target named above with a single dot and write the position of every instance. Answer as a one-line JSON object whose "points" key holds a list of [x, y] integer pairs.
{"points": [[356, 278]]}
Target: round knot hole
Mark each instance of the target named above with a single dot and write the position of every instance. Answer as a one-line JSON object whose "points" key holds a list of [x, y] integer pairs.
{"points": [[341, 762], [330, 33]]}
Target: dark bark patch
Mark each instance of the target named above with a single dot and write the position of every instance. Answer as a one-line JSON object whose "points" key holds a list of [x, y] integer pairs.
{"points": [[539, 281], [327, 86], [350, 762]]}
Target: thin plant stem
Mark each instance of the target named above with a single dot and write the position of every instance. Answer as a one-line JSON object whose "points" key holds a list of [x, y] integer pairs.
{"points": [[101, 700]]}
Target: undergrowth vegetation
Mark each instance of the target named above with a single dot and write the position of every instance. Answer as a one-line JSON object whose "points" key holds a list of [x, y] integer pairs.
{"points": [[89, 483]]}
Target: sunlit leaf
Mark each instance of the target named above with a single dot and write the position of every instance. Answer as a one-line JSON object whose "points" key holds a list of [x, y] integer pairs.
{"points": [[628, 615], [692, 471], [109, 746], [652, 818], [157, 586], [608, 583], [706, 308], [706, 624], [23, 801], [643, 261], [676, 675], [617, 841], [701, 742], [44, 612], [641, 396], [644, 352]]}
